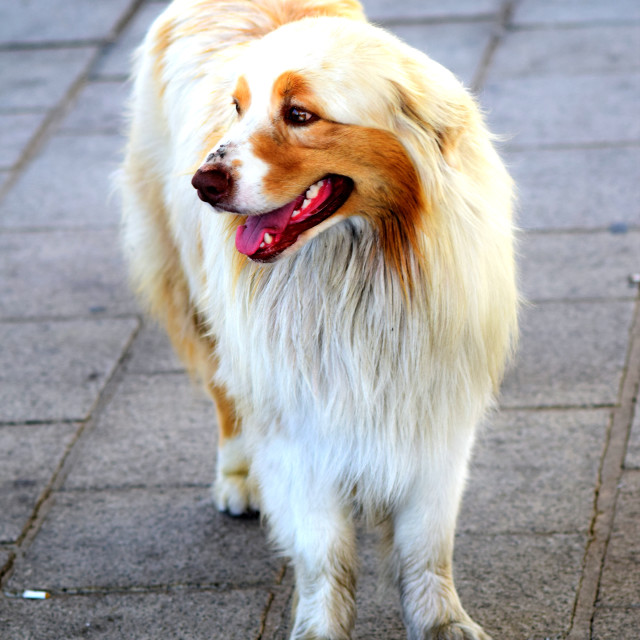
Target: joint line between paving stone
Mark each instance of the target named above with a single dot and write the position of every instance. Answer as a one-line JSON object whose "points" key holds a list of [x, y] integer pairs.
{"points": [[557, 407], [45, 45], [72, 452], [550, 26], [611, 468], [7, 568], [502, 20], [70, 318], [124, 488], [89, 591], [270, 600], [576, 231], [571, 146], [35, 423], [47, 128], [572, 26], [410, 21], [536, 302], [59, 229]]}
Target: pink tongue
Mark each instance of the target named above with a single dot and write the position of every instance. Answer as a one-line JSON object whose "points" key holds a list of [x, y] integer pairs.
{"points": [[250, 235]]}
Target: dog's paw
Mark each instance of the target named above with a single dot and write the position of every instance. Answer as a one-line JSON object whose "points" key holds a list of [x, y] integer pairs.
{"points": [[467, 630], [234, 490], [236, 494]]}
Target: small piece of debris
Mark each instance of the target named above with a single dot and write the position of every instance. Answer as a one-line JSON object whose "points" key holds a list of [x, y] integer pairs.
{"points": [[30, 594], [634, 278]]}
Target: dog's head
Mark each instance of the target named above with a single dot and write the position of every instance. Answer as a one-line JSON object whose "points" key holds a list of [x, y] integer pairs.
{"points": [[333, 118]]}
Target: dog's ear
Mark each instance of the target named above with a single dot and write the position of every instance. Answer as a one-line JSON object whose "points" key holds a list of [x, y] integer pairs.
{"points": [[431, 100]]}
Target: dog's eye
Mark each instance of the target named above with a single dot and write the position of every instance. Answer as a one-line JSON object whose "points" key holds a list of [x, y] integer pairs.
{"points": [[298, 116]]}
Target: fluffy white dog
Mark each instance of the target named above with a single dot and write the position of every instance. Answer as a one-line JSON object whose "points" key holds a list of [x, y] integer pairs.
{"points": [[316, 213]]}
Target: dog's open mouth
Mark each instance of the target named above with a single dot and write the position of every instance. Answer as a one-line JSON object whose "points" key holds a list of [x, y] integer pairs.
{"points": [[265, 236]]}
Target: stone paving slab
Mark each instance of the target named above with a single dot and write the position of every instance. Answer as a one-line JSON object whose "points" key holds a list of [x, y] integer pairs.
{"points": [[156, 431], [67, 186], [63, 273], [620, 583], [415, 10], [29, 456], [570, 354], [588, 109], [143, 538], [632, 460], [176, 615], [51, 371], [457, 46], [621, 624], [570, 266], [552, 12], [524, 478], [60, 20], [520, 587], [576, 188], [100, 108], [37, 80], [116, 61], [16, 130], [152, 353], [567, 52]]}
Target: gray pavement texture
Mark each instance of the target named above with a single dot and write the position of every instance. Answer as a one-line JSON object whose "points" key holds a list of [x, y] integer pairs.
{"points": [[107, 449]]}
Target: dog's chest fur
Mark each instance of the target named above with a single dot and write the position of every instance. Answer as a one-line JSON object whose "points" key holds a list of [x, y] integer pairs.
{"points": [[328, 348]]}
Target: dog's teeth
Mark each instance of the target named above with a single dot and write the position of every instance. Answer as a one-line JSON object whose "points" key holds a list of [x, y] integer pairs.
{"points": [[261, 245], [312, 191], [295, 213], [305, 204], [268, 238]]}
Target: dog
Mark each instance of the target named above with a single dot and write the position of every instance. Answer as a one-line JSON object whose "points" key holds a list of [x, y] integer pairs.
{"points": [[316, 213]]}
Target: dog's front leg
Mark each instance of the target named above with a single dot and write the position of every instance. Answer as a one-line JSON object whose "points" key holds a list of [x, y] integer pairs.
{"points": [[234, 490], [314, 526], [423, 531]]}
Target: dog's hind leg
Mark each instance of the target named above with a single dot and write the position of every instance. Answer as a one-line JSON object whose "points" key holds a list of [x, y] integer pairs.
{"points": [[423, 531]]}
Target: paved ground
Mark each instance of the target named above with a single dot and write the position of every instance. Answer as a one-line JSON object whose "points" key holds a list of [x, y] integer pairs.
{"points": [[106, 449]]}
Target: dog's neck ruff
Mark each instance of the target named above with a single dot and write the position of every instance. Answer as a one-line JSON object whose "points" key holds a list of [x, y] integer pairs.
{"points": [[265, 236]]}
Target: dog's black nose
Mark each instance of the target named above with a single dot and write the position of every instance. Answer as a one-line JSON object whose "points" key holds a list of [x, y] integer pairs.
{"points": [[213, 183]]}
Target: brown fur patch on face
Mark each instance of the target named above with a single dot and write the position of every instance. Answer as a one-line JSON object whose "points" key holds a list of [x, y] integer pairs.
{"points": [[387, 188], [242, 95], [292, 89]]}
